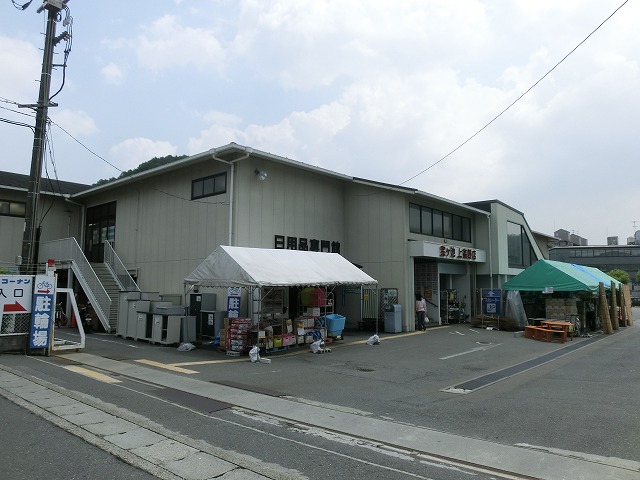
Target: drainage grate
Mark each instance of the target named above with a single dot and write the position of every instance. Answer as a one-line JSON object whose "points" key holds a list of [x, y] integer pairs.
{"points": [[250, 388], [494, 377], [196, 402]]}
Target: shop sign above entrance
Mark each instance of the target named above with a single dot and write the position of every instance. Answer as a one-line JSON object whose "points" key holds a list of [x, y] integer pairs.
{"points": [[446, 252], [458, 253]]}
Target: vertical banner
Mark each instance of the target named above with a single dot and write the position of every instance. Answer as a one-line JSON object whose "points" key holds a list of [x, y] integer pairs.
{"points": [[491, 301], [42, 311], [233, 302]]}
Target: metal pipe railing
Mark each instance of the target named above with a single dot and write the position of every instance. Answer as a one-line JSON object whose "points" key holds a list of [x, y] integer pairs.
{"points": [[68, 250], [118, 270]]}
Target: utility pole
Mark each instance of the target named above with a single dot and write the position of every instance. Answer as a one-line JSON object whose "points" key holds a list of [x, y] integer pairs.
{"points": [[31, 236]]}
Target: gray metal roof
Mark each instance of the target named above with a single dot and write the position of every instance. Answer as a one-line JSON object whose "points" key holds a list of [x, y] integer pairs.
{"points": [[17, 181]]}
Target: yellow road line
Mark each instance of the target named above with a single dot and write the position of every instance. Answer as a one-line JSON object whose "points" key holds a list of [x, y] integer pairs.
{"points": [[95, 375], [300, 350], [167, 366], [210, 362]]}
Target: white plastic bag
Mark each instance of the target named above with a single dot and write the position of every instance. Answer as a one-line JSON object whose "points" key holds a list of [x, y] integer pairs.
{"points": [[185, 347], [315, 346], [373, 340], [254, 354]]}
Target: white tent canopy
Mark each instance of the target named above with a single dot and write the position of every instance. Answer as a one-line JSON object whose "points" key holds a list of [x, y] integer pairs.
{"points": [[262, 267]]}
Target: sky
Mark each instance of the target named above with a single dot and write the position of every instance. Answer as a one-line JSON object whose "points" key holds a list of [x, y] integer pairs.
{"points": [[419, 93]]}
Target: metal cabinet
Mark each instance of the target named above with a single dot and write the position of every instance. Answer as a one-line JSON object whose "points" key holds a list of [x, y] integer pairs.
{"points": [[166, 329]]}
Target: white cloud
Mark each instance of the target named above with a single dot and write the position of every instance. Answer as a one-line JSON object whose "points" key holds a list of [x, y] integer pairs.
{"points": [[76, 122], [112, 74], [167, 44], [20, 65], [134, 151]]}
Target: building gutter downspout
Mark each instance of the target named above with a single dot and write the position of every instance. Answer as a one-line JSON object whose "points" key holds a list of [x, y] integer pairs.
{"points": [[490, 253], [232, 164]]}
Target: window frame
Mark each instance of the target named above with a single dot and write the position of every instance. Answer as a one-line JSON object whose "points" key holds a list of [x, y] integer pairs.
{"points": [[209, 186], [11, 206], [438, 223]]}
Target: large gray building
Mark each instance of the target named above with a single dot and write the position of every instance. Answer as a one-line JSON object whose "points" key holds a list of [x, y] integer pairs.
{"points": [[163, 222], [604, 257]]}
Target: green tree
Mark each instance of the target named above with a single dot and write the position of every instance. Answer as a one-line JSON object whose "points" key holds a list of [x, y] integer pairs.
{"points": [[620, 275], [4, 271], [148, 165], [638, 276]]}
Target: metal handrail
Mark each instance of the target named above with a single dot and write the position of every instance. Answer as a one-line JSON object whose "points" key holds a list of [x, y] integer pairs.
{"points": [[118, 270], [68, 250]]}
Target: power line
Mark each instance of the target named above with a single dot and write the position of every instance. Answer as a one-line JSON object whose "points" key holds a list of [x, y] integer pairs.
{"points": [[517, 99], [122, 171]]}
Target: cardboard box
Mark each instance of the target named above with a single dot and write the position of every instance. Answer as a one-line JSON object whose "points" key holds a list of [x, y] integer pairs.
{"points": [[288, 340]]}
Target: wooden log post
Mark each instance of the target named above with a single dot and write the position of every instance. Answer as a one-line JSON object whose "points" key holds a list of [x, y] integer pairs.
{"points": [[614, 307], [627, 304], [604, 311]]}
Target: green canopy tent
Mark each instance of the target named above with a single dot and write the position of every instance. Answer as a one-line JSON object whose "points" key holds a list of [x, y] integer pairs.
{"points": [[559, 276]]}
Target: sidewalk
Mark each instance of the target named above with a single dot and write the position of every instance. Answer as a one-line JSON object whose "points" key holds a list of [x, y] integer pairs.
{"points": [[135, 438]]}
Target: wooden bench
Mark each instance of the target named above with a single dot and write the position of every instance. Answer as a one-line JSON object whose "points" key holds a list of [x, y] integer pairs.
{"points": [[546, 334], [529, 331]]}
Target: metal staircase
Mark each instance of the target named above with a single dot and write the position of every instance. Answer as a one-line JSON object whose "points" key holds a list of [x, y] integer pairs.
{"points": [[101, 282], [113, 290]]}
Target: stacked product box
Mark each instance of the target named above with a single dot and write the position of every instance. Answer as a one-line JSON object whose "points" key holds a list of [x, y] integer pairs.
{"points": [[237, 334]]}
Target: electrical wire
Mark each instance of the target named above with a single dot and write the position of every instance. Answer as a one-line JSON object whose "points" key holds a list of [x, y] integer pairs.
{"points": [[68, 37], [139, 181], [20, 124], [21, 7], [517, 99]]}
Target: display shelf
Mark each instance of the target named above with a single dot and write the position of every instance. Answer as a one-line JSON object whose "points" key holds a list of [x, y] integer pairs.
{"points": [[451, 309]]}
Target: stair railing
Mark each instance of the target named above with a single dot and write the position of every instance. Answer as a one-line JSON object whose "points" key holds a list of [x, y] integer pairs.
{"points": [[68, 250], [118, 271]]}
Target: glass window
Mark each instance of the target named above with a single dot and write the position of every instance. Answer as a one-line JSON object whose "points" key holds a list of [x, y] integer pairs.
{"points": [[514, 244], [427, 221], [521, 252], [414, 218], [466, 229], [437, 223], [12, 209], [196, 189], [447, 226], [220, 183], [209, 186], [457, 227]]}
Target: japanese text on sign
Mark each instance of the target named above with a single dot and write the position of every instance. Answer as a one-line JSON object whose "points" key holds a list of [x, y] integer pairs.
{"points": [[233, 302], [15, 294], [458, 253], [42, 311]]}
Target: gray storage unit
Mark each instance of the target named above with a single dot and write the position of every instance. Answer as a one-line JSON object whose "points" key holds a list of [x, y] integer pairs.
{"points": [[135, 306], [188, 329], [211, 322], [393, 318], [123, 311], [199, 302], [166, 329]]}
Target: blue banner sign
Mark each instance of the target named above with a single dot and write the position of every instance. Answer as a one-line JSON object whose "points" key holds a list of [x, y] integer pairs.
{"points": [[491, 301]]}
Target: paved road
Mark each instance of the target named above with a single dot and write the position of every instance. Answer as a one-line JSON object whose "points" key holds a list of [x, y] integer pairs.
{"points": [[393, 398]]}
